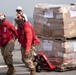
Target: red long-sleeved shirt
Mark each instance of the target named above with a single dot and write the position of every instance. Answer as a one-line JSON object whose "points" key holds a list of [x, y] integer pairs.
{"points": [[6, 31], [27, 36]]}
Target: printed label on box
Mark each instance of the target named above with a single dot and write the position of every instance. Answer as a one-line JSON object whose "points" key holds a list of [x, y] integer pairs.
{"points": [[47, 46], [49, 14], [60, 54], [74, 44], [72, 13]]}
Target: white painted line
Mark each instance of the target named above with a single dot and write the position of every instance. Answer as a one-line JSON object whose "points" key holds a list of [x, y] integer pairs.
{"points": [[3, 66]]}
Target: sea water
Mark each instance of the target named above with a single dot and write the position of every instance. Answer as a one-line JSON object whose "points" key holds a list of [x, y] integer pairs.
{"points": [[11, 19]]}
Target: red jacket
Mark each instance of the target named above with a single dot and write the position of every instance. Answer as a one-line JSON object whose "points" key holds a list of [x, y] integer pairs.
{"points": [[26, 36], [6, 32]]}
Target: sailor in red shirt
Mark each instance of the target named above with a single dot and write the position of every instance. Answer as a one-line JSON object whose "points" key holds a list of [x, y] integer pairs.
{"points": [[28, 39], [7, 40]]}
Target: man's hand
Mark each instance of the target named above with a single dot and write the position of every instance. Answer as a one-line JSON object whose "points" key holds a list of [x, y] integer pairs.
{"points": [[26, 54]]}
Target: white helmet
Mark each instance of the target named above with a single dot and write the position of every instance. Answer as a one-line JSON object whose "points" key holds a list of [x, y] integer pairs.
{"points": [[19, 8], [2, 16]]}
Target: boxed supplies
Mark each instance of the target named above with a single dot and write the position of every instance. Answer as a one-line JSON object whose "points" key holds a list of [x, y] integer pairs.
{"points": [[55, 20], [58, 52]]}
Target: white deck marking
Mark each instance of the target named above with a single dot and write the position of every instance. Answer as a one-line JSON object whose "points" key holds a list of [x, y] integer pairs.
{"points": [[2, 66]]}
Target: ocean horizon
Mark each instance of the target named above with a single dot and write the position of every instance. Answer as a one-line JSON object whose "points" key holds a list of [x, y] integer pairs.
{"points": [[11, 19]]}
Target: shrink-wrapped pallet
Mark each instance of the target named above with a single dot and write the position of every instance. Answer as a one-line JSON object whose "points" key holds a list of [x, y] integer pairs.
{"points": [[58, 52], [55, 20]]}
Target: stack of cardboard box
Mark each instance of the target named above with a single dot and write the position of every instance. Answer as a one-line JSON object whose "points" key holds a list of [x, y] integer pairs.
{"points": [[56, 20], [53, 23], [58, 52]]}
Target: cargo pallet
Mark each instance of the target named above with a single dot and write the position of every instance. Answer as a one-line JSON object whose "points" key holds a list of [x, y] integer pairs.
{"points": [[57, 38], [45, 64], [63, 38], [65, 68]]}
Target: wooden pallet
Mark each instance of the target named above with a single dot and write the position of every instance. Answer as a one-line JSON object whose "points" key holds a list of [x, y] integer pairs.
{"points": [[65, 68], [42, 37], [63, 38], [57, 38]]}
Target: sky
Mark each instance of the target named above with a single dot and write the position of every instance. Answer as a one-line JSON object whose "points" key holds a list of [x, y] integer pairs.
{"points": [[8, 7]]}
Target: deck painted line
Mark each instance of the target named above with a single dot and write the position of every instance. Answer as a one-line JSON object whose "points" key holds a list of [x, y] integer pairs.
{"points": [[3, 66]]}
